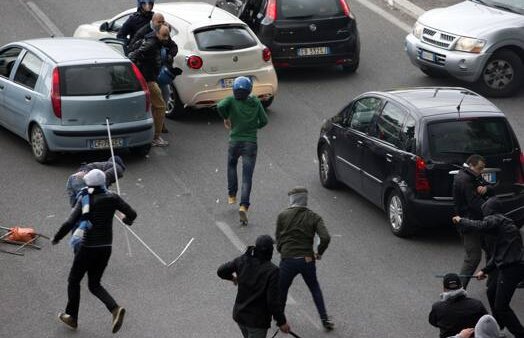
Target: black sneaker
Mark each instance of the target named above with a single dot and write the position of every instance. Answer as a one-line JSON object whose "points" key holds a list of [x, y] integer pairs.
{"points": [[328, 324], [520, 285], [118, 318], [68, 320]]}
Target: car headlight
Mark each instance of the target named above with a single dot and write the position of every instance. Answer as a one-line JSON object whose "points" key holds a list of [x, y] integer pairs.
{"points": [[417, 30], [470, 45]]}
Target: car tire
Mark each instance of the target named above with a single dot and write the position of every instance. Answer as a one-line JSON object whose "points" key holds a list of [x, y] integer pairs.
{"points": [[175, 107], [350, 68], [434, 73], [141, 150], [267, 103], [397, 215], [326, 170], [502, 75], [39, 146]]}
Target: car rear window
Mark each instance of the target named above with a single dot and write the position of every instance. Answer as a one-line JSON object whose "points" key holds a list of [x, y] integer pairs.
{"points": [[474, 136], [224, 38], [305, 9], [98, 79]]}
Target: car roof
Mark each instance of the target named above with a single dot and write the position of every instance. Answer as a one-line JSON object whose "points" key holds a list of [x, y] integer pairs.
{"points": [[197, 13], [430, 101], [62, 50]]}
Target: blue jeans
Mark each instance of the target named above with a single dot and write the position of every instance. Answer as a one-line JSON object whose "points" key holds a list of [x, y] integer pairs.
{"points": [[289, 268], [248, 152]]}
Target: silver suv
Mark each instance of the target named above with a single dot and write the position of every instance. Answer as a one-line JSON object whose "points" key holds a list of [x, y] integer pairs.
{"points": [[56, 93], [480, 41]]}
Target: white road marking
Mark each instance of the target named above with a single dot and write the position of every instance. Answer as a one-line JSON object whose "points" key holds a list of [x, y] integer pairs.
{"points": [[42, 18], [389, 17]]}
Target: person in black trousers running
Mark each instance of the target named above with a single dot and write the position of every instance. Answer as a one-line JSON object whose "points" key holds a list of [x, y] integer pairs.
{"points": [[506, 252], [95, 249]]}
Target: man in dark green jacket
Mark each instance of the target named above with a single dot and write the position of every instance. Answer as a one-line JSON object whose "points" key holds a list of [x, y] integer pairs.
{"points": [[243, 115], [296, 230]]}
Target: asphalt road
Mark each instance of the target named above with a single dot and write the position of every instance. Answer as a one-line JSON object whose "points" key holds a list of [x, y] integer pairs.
{"points": [[375, 285]]}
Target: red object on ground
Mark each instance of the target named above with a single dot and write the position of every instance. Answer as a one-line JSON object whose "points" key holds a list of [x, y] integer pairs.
{"points": [[18, 234]]}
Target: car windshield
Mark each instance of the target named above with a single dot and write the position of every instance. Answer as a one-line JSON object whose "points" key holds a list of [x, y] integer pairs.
{"points": [[515, 6], [301, 9], [98, 79], [224, 38], [469, 136]]}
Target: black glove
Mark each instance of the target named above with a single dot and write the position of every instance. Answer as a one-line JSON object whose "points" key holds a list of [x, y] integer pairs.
{"points": [[127, 221], [175, 71]]}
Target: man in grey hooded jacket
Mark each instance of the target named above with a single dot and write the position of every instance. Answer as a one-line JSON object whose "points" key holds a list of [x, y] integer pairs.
{"points": [[486, 327]]}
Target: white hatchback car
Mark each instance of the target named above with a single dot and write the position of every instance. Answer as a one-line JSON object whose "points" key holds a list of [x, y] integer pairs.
{"points": [[214, 47]]}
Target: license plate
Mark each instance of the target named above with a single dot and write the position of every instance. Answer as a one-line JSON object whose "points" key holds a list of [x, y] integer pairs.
{"points": [[490, 177], [313, 51], [228, 83], [428, 56], [104, 143]]}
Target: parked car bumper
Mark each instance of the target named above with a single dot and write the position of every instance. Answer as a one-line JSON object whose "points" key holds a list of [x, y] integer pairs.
{"points": [[461, 65], [80, 138], [205, 90]]}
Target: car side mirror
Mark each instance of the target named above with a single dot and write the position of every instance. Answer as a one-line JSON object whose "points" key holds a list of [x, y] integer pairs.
{"points": [[104, 27]]}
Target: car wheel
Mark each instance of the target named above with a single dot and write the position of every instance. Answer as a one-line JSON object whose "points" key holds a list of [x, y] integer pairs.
{"points": [[434, 73], [39, 145], [141, 150], [350, 68], [397, 215], [326, 169], [267, 103], [175, 107], [502, 75]]}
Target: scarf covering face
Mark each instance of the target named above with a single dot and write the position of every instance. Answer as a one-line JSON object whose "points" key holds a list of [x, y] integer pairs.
{"points": [[298, 199]]}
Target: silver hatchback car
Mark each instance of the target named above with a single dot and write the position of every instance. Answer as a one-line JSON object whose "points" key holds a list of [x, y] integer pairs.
{"points": [[57, 93], [480, 41]]}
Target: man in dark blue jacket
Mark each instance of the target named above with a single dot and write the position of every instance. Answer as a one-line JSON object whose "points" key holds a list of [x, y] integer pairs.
{"points": [[144, 14], [506, 261], [258, 294]]}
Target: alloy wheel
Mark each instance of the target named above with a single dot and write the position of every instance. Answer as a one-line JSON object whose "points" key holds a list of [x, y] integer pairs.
{"points": [[396, 213], [498, 74], [324, 166], [37, 142]]}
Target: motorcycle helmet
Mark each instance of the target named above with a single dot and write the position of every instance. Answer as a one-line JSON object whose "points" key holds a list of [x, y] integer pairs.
{"points": [[242, 87]]}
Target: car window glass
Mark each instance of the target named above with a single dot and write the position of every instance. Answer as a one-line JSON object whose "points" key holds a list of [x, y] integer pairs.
{"points": [[104, 79], [7, 60], [224, 38], [362, 114], [457, 138], [300, 9], [389, 124], [119, 22], [408, 135], [28, 71]]}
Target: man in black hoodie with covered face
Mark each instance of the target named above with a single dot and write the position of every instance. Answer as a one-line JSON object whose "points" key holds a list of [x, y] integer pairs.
{"points": [[144, 14], [506, 261], [258, 294]]}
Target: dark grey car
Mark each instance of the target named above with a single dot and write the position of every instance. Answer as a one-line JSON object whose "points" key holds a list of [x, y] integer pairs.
{"points": [[56, 93]]}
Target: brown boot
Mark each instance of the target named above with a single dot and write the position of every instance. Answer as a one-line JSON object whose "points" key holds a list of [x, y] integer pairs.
{"points": [[68, 320], [118, 318]]}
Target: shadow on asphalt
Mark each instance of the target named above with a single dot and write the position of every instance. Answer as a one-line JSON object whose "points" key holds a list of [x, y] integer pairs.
{"points": [[326, 73]]}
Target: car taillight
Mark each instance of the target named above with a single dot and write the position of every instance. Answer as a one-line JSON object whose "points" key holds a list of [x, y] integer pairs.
{"points": [[194, 62], [56, 99], [143, 84], [520, 169], [345, 7], [266, 54], [271, 11], [421, 180]]}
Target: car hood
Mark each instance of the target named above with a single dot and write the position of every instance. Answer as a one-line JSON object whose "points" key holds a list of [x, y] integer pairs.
{"points": [[470, 19]]}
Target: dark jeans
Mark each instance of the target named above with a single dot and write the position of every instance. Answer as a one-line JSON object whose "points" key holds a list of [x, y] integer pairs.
{"points": [[252, 332], [93, 261], [472, 254], [499, 295], [289, 268], [248, 152]]}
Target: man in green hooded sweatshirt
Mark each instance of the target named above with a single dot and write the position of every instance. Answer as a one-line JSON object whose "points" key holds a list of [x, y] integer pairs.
{"points": [[243, 115]]}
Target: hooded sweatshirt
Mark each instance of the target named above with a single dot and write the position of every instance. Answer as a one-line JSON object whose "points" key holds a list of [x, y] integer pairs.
{"points": [[246, 116], [455, 311], [487, 327], [467, 201]]}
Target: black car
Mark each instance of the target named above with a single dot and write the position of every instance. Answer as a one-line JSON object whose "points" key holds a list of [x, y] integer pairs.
{"points": [[400, 149], [303, 32]]}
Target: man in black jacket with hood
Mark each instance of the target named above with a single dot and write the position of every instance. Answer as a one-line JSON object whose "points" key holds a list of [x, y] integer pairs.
{"points": [[144, 14], [455, 311], [506, 252], [258, 293], [470, 190]]}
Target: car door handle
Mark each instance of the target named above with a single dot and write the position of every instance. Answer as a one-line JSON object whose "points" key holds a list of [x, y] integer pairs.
{"points": [[2, 87], [28, 98]]}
